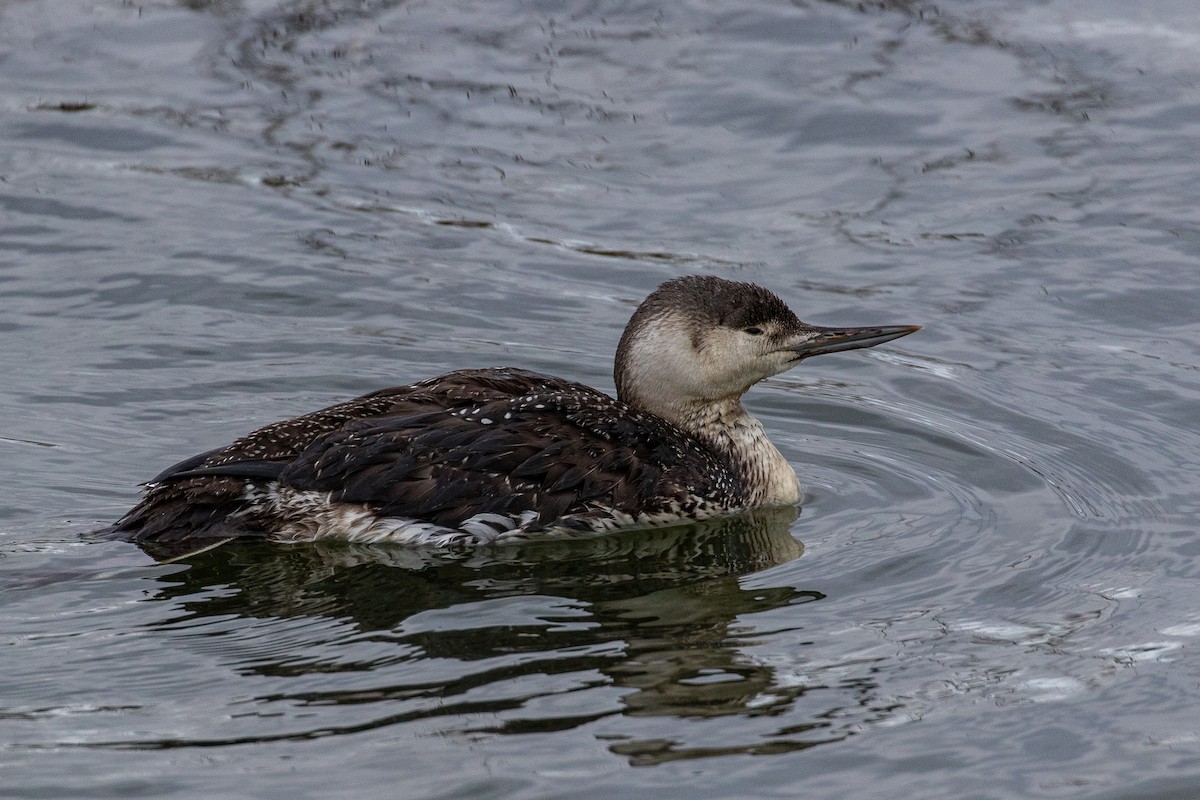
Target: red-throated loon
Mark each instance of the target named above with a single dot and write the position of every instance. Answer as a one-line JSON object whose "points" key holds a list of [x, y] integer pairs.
{"points": [[496, 455]]}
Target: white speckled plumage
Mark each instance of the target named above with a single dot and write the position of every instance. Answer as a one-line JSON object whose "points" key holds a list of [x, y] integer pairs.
{"points": [[497, 455]]}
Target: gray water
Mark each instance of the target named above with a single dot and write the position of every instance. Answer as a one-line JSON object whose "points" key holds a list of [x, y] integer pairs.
{"points": [[217, 214]]}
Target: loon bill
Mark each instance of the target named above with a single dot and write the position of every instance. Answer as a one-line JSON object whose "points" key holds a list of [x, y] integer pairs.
{"points": [[498, 455]]}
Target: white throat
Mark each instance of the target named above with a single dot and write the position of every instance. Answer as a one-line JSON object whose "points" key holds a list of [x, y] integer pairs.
{"points": [[730, 428], [694, 380]]}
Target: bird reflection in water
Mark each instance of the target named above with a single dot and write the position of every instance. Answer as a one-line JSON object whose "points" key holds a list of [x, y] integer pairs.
{"points": [[654, 613]]}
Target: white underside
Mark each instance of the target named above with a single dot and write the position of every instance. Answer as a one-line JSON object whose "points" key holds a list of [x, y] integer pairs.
{"points": [[310, 515]]}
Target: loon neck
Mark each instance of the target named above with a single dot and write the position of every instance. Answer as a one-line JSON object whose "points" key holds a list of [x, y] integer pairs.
{"points": [[729, 428]]}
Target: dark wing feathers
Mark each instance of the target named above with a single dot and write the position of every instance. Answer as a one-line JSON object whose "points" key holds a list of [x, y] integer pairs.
{"points": [[187, 465], [262, 470], [502, 441], [540, 460]]}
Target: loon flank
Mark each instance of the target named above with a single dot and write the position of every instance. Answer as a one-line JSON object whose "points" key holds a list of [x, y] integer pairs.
{"points": [[496, 455]]}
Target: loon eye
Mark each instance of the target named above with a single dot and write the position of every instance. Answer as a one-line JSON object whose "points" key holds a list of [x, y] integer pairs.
{"points": [[753, 330]]}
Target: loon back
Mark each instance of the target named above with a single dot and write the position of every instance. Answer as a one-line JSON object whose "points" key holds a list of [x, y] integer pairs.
{"points": [[468, 456]]}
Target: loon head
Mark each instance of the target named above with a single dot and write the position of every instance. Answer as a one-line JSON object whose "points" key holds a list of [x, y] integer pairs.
{"points": [[700, 341]]}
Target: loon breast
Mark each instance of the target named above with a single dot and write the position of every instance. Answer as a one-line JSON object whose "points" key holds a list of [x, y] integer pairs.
{"points": [[473, 455]]}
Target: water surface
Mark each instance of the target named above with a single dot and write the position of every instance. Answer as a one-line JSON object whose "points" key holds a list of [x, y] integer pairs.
{"points": [[214, 215]]}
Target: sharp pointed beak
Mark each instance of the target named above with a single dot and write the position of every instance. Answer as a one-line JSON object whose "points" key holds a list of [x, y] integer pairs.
{"points": [[818, 341]]}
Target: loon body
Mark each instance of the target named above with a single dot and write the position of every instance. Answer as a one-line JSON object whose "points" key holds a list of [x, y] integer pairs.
{"points": [[495, 455]]}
